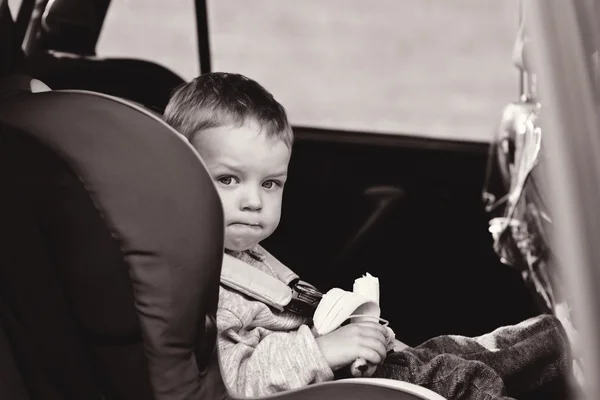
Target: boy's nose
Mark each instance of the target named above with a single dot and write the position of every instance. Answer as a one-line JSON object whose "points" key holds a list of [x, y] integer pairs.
{"points": [[251, 200]]}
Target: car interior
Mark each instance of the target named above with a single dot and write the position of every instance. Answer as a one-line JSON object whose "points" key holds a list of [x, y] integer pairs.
{"points": [[105, 316]]}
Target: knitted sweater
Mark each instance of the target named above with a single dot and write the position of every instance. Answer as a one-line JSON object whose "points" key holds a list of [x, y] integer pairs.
{"points": [[262, 350]]}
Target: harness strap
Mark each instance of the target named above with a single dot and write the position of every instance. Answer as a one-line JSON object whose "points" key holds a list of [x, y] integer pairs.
{"points": [[284, 273], [252, 282], [288, 292]]}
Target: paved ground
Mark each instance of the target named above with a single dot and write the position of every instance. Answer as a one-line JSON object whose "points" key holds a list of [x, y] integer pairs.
{"points": [[439, 68]]}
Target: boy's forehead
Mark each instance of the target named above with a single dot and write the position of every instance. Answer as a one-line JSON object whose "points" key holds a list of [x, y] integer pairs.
{"points": [[244, 146]]}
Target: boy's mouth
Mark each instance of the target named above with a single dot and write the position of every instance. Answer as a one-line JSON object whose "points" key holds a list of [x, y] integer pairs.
{"points": [[245, 225]]}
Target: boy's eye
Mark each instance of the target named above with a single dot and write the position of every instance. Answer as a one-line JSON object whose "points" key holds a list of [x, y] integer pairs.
{"points": [[226, 180], [271, 184]]}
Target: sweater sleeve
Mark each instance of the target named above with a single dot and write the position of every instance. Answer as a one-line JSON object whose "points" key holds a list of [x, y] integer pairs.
{"points": [[258, 362]]}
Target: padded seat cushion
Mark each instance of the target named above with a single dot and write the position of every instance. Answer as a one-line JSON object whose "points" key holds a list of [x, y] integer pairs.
{"points": [[114, 255]]}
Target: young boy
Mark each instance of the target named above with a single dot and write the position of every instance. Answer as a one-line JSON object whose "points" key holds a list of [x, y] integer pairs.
{"points": [[243, 135]]}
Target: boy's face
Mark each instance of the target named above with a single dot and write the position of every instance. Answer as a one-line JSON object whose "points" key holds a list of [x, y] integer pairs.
{"points": [[249, 170]]}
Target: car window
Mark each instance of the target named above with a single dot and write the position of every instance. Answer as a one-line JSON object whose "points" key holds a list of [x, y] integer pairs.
{"points": [[156, 30], [427, 67], [437, 68]]}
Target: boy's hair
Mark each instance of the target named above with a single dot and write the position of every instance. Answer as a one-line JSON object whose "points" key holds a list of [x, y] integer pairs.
{"points": [[220, 99]]}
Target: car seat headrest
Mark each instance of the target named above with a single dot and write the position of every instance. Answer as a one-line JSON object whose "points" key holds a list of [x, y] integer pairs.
{"points": [[157, 204]]}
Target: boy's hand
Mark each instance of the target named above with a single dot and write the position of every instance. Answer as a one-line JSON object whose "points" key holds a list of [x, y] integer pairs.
{"points": [[357, 340]]}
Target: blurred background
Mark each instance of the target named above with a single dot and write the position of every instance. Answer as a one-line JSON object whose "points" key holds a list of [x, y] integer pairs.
{"points": [[436, 68]]}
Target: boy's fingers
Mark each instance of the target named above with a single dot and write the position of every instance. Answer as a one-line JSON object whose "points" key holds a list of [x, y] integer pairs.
{"points": [[374, 325], [372, 332], [375, 345], [371, 355]]}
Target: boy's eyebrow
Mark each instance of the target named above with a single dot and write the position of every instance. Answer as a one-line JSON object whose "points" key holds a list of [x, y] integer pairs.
{"points": [[228, 165], [281, 174], [240, 170]]}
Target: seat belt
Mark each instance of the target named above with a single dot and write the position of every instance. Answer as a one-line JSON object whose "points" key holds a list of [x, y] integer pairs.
{"points": [[286, 293]]}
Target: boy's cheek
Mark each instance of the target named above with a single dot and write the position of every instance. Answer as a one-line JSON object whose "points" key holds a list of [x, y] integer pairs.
{"points": [[226, 200]]}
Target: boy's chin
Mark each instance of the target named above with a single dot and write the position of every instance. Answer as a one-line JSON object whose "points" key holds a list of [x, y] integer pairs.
{"points": [[239, 246], [242, 241]]}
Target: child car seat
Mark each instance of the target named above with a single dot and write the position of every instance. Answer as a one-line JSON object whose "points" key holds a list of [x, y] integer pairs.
{"points": [[112, 249]]}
